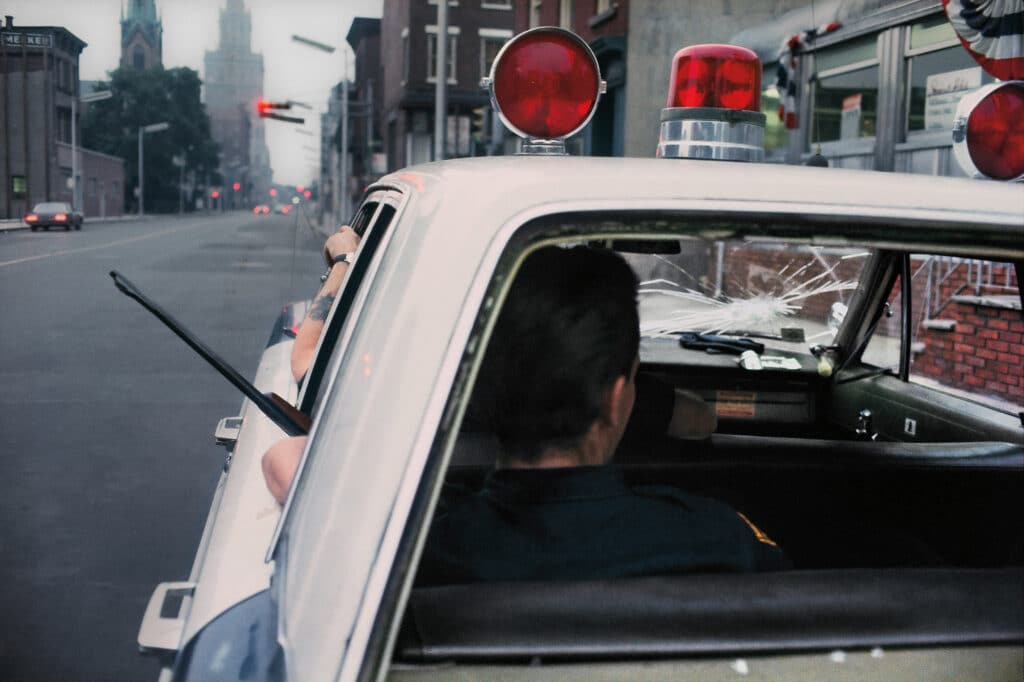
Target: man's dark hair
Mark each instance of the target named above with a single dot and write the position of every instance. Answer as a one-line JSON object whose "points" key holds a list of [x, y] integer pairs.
{"points": [[569, 327]]}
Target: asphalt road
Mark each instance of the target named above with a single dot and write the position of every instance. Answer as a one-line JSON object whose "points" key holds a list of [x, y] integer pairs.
{"points": [[106, 420]]}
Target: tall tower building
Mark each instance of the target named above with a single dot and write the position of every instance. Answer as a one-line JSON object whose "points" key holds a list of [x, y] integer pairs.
{"points": [[233, 84], [142, 36]]}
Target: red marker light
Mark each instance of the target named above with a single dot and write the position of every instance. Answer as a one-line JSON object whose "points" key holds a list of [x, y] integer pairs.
{"points": [[237, 186], [719, 76], [262, 106], [546, 83], [995, 133]]}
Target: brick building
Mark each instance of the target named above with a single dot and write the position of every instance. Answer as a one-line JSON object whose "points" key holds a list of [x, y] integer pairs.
{"points": [[38, 79], [408, 40]]}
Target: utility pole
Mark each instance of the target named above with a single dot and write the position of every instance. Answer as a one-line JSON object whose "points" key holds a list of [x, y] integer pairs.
{"points": [[441, 86], [152, 128]]}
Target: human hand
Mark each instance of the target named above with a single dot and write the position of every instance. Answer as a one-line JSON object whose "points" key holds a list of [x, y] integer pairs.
{"points": [[345, 240]]}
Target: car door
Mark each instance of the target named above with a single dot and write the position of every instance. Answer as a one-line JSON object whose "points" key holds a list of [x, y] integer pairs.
{"points": [[943, 358]]}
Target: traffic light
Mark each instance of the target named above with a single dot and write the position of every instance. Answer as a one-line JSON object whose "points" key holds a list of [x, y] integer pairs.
{"points": [[237, 186], [478, 126], [273, 192], [215, 194], [264, 107], [299, 188]]}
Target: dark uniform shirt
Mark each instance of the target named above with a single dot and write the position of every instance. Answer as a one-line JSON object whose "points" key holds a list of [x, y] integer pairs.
{"points": [[584, 523]]}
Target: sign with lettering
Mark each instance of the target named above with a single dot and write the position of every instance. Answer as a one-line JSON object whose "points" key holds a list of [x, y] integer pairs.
{"points": [[849, 123], [943, 91], [27, 39]]}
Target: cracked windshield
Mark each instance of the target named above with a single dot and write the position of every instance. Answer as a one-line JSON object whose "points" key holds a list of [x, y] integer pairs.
{"points": [[784, 295]]}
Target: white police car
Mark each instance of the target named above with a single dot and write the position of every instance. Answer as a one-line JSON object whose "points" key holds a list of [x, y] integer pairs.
{"points": [[858, 335]]}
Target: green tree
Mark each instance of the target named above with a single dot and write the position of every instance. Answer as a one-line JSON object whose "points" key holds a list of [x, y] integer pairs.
{"points": [[141, 98]]}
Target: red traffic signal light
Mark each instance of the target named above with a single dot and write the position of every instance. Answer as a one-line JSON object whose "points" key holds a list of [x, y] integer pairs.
{"points": [[215, 194], [299, 188], [307, 194], [237, 186], [273, 192]]}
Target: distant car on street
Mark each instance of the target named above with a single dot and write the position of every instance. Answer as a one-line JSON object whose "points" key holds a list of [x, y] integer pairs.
{"points": [[54, 214], [262, 209]]}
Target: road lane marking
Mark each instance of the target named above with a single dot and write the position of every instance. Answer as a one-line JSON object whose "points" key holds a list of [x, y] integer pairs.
{"points": [[137, 238]]}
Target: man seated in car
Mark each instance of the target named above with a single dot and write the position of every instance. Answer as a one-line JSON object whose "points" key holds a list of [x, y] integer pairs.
{"points": [[559, 389]]}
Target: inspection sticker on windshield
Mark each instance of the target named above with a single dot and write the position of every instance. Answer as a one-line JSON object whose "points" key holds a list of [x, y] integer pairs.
{"points": [[735, 403], [779, 362]]}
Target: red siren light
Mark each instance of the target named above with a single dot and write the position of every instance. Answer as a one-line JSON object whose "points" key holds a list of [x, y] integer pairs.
{"points": [[995, 132], [545, 83], [719, 76]]}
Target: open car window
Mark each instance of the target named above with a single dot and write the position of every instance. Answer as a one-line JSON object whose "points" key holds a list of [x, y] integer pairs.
{"points": [[371, 223]]}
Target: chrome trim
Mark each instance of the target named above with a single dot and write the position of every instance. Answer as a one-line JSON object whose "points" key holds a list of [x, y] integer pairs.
{"points": [[715, 140], [164, 634]]}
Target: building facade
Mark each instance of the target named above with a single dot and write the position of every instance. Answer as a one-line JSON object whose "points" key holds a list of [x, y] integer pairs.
{"points": [[877, 91], [408, 42], [142, 36], [233, 84], [38, 80]]}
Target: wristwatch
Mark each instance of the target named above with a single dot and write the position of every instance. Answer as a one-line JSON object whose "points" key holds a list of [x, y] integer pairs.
{"points": [[347, 258]]}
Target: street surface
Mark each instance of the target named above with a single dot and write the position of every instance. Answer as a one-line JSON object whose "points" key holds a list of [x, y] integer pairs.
{"points": [[107, 418]]}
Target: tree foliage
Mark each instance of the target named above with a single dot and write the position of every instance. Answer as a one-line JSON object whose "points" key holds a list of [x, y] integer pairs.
{"points": [[142, 98]]}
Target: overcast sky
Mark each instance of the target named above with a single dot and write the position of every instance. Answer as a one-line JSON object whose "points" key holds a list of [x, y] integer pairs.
{"points": [[291, 71]]}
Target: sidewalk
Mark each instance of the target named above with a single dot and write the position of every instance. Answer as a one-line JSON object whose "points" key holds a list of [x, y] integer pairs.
{"points": [[18, 224]]}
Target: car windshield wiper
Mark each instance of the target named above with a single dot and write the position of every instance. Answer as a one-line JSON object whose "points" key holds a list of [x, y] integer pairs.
{"points": [[718, 343], [277, 409]]}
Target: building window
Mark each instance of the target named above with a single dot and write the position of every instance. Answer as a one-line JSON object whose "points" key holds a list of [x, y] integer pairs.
{"points": [[496, 4], [491, 42], [19, 186], [939, 73], [535, 13], [453, 33], [565, 14], [64, 124], [405, 54], [845, 100], [602, 6]]}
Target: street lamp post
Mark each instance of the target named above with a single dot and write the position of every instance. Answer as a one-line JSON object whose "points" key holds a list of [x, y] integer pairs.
{"points": [[343, 163], [76, 202], [152, 128]]}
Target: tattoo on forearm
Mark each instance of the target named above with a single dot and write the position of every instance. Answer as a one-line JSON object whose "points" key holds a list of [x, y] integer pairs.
{"points": [[320, 307]]}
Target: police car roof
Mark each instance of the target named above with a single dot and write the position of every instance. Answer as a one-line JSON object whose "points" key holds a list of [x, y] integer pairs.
{"points": [[489, 191]]}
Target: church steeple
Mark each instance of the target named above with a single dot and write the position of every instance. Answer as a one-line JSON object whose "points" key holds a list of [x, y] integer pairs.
{"points": [[141, 35]]}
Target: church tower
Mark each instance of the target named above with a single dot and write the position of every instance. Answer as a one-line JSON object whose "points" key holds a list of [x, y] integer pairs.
{"points": [[142, 36]]}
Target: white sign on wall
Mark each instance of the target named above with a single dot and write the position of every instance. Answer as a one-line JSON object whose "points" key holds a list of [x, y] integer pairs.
{"points": [[943, 92], [849, 124]]}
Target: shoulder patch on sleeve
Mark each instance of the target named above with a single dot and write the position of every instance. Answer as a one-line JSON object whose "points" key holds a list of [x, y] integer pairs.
{"points": [[758, 533]]}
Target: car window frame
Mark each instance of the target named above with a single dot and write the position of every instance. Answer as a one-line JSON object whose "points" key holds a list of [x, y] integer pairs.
{"points": [[372, 231], [497, 273], [854, 367]]}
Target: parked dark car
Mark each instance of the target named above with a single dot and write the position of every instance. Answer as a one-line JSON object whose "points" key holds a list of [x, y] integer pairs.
{"points": [[54, 214]]}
